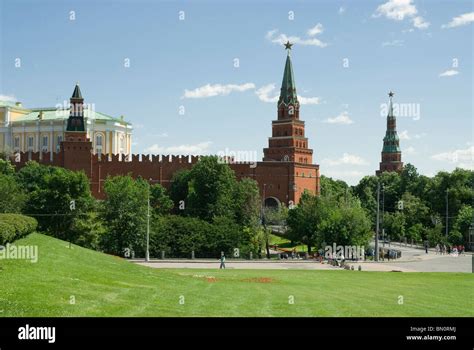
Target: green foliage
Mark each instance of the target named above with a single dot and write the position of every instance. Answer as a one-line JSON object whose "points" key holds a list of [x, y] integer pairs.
{"points": [[15, 226], [178, 236], [276, 216], [327, 219], [13, 198], [6, 167], [247, 202], [160, 202], [125, 212], [435, 235], [179, 189], [346, 224], [394, 225], [424, 202], [56, 197], [463, 221], [211, 188], [333, 188]]}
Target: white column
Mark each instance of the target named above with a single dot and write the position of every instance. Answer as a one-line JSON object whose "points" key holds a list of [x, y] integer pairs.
{"points": [[51, 142], [107, 150]]}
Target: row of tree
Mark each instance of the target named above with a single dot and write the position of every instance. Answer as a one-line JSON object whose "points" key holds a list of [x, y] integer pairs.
{"points": [[208, 211]]}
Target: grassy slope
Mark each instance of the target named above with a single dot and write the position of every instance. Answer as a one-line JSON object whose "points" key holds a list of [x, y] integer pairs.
{"points": [[108, 286]]}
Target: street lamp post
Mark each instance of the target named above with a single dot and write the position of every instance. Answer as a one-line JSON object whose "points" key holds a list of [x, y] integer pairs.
{"points": [[383, 212], [447, 211], [377, 224], [147, 253]]}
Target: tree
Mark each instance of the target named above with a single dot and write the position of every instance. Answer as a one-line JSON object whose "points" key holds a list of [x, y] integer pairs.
{"points": [[394, 225], [460, 232], [305, 219], [160, 202], [124, 211], [56, 197], [6, 167], [211, 188], [179, 190], [346, 224], [247, 203], [13, 198]]}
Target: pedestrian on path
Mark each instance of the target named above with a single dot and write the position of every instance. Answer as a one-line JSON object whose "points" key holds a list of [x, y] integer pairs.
{"points": [[222, 261]]}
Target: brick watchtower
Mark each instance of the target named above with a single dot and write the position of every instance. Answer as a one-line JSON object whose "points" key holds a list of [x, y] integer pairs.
{"points": [[391, 153], [288, 142], [76, 147]]}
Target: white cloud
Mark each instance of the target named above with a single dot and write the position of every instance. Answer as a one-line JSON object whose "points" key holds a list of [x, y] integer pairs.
{"points": [[348, 159], [464, 158], [8, 98], [209, 90], [264, 93], [461, 20], [267, 93], [449, 73], [196, 149], [393, 43], [317, 29], [310, 41], [409, 150], [342, 9], [420, 23], [398, 10], [309, 100], [404, 135], [342, 118]]}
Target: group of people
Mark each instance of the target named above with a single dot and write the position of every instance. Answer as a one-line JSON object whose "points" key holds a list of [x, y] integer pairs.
{"points": [[454, 250]]}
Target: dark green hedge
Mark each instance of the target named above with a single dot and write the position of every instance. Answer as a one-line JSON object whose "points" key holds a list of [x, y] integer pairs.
{"points": [[15, 226]]}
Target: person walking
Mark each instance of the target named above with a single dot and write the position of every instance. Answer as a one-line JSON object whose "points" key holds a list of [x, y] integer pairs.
{"points": [[222, 261], [437, 249]]}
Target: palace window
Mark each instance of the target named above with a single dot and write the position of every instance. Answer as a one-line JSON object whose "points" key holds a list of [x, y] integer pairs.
{"points": [[16, 143], [30, 143], [44, 144], [58, 144], [121, 144], [98, 143]]}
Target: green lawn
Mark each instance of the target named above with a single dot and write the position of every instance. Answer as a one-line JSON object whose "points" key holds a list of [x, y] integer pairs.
{"points": [[104, 285]]}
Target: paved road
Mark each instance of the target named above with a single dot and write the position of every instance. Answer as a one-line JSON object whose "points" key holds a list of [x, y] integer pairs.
{"points": [[419, 263]]}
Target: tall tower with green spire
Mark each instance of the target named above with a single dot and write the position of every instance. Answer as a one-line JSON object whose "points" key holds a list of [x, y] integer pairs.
{"points": [[75, 122], [391, 152], [288, 142]]}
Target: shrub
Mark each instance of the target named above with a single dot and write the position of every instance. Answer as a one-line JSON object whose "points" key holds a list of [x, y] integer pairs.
{"points": [[15, 226]]}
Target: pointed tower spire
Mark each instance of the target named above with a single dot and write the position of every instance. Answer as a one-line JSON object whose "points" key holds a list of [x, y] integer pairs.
{"points": [[75, 122], [288, 142], [391, 153], [288, 87], [77, 93]]}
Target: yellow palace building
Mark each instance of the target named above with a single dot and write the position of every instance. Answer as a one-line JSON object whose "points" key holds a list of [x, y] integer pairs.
{"points": [[42, 129]]}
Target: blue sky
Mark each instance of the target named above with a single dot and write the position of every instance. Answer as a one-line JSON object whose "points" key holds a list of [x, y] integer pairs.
{"points": [[141, 59]]}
